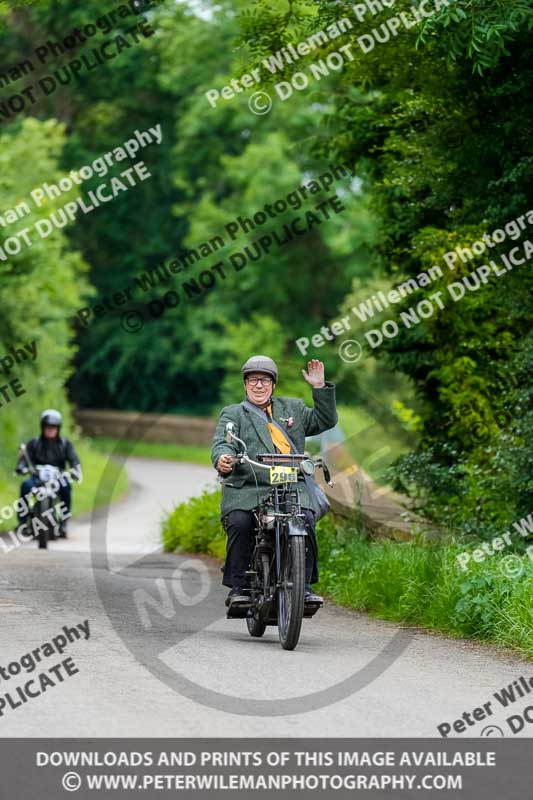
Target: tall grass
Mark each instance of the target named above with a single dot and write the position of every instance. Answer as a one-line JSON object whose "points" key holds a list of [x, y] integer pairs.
{"points": [[421, 583]]}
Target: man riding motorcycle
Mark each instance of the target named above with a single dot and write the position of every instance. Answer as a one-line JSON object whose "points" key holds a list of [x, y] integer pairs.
{"points": [[240, 492], [49, 448]]}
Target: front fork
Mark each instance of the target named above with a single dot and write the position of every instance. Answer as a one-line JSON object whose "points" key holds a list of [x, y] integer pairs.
{"points": [[295, 527]]}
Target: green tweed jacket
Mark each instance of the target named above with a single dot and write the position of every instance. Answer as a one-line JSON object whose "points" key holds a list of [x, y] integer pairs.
{"points": [[240, 491]]}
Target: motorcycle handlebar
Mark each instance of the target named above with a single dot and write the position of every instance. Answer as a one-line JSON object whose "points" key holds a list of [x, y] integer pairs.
{"points": [[240, 457]]}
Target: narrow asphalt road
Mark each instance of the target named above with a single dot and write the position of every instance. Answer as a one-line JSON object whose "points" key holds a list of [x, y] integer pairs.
{"points": [[162, 660]]}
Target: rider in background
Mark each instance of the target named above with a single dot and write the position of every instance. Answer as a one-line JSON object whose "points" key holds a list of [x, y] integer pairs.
{"points": [[49, 448]]}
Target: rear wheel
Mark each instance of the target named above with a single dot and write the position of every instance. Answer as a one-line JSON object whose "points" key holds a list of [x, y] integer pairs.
{"points": [[256, 616], [291, 594]]}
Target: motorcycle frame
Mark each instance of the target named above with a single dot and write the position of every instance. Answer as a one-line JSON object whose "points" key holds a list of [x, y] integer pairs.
{"points": [[292, 521]]}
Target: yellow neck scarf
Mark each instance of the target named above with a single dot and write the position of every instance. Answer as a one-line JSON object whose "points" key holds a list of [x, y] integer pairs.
{"points": [[279, 439]]}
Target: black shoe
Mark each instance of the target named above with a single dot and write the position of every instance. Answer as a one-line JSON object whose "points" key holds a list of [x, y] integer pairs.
{"points": [[311, 598], [62, 531], [237, 596]]}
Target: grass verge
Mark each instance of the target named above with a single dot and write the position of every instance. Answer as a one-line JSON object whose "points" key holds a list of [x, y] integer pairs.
{"points": [[415, 582], [422, 584], [165, 452]]}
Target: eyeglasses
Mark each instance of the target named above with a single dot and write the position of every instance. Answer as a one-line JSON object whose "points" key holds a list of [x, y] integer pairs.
{"points": [[256, 381]]}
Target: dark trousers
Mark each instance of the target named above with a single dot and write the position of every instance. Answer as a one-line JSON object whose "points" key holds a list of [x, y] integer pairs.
{"points": [[239, 526], [64, 493]]}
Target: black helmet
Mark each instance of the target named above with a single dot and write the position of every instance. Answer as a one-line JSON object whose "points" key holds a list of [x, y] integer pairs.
{"points": [[260, 364], [51, 417]]}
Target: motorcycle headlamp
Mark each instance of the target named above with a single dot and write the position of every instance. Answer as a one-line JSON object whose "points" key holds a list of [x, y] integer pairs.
{"points": [[307, 466]]}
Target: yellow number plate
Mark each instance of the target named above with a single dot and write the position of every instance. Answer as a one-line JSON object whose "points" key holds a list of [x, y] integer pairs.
{"points": [[283, 474]]}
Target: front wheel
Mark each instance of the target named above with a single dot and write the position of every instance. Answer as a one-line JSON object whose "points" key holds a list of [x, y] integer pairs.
{"points": [[291, 595], [45, 525]]}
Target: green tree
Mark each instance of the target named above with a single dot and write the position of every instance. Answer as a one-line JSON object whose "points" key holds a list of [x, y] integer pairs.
{"points": [[39, 288], [436, 123]]}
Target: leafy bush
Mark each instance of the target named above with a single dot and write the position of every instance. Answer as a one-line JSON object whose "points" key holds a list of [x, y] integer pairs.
{"points": [[483, 490], [194, 526]]}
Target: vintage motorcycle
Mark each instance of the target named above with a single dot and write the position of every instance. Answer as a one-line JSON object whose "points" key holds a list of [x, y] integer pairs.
{"points": [[277, 569], [42, 512]]}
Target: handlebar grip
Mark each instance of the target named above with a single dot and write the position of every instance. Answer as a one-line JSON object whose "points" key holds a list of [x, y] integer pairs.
{"points": [[327, 475], [325, 469]]}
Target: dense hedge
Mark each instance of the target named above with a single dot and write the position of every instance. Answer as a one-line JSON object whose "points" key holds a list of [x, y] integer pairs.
{"points": [[194, 526]]}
